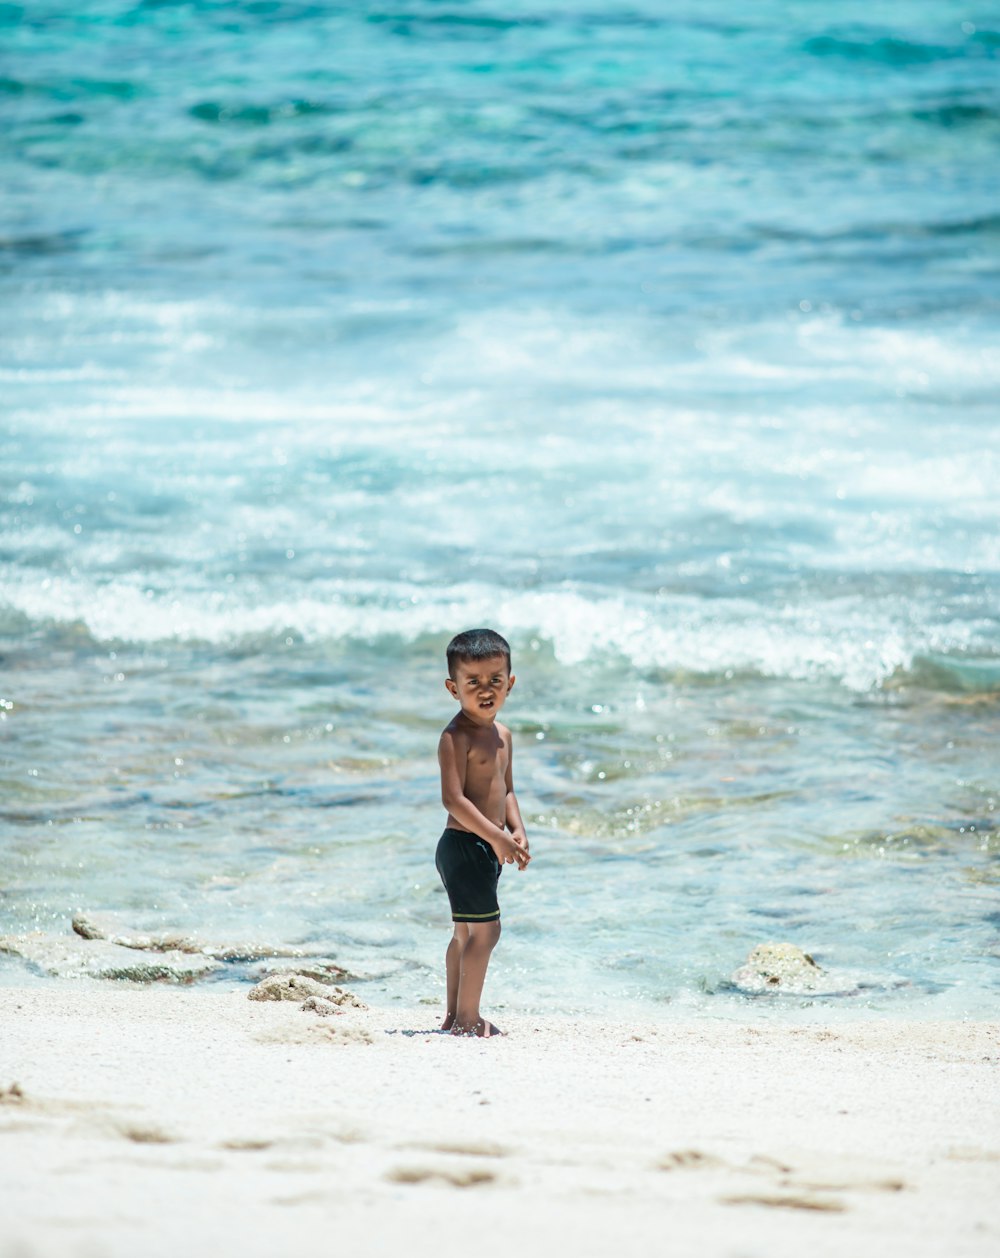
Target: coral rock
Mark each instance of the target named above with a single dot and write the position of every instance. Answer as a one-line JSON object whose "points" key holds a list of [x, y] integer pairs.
{"points": [[90, 958]]}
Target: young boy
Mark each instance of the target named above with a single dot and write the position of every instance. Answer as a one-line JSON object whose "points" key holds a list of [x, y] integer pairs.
{"points": [[477, 789]]}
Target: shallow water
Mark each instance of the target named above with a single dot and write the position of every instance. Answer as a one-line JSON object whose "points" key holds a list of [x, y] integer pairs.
{"points": [[664, 344]]}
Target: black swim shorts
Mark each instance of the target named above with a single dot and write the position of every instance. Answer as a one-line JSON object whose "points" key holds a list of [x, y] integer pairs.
{"points": [[469, 870]]}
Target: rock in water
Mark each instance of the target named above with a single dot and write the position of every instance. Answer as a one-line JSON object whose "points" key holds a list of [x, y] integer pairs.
{"points": [[322, 969], [83, 958], [86, 928], [781, 967], [142, 941], [107, 928], [293, 986]]}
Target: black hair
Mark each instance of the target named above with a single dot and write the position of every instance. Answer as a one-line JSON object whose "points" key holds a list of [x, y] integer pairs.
{"points": [[476, 644]]}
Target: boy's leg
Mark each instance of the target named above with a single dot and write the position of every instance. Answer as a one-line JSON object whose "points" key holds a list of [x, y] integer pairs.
{"points": [[453, 968], [473, 960]]}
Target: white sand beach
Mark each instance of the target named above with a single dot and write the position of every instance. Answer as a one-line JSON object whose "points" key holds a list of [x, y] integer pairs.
{"points": [[164, 1121]]}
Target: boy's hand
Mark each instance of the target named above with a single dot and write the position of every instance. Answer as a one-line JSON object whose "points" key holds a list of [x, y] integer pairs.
{"points": [[510, 851]]}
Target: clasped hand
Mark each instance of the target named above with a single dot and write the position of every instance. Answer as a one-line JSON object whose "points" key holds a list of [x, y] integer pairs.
{"points": [[511, 851]]}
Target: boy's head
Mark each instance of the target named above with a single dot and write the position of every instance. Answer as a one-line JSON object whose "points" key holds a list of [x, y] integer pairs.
{"points": [[479, 675], [476, 645]]}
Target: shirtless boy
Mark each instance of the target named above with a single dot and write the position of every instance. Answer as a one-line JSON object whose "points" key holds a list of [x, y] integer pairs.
{"points": [[478, 791]]}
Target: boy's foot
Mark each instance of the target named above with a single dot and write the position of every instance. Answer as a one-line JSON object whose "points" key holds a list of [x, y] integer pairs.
{"points": [[483, 1029], [449, 1022]]}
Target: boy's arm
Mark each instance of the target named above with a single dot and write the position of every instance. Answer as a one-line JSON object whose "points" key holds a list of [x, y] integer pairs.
{"points": [[514, 823], [453, 754]]}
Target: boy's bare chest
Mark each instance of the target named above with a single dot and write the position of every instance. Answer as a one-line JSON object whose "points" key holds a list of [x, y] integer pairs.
{"points": [[487, 757]]}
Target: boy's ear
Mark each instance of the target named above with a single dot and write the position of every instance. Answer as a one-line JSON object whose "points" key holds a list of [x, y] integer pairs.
{"points": [[510, 683], [451, 687]]}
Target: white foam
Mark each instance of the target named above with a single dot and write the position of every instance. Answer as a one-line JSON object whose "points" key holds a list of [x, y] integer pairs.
{"points": [[850, 640], [905, 355]]}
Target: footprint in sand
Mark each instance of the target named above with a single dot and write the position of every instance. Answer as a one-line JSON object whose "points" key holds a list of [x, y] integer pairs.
{"points": [[968, 1154], [144, 1134], [458, 1178], [341, 1034], [815, 1173], [804, 1187], [86, 1117], [311, 1032], [14, 1099], [689, 1160], [788, 1201], [301, 1199], [470, 1148], [313, 1140]]}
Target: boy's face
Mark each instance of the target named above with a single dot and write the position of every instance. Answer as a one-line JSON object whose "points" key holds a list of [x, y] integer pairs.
{"points": [[481, 687]]}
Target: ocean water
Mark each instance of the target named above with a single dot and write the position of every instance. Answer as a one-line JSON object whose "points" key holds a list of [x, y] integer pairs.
{"points": [[662, 338]]}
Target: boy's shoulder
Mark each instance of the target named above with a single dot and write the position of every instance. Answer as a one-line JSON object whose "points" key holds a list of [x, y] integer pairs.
{"points": [[456, 731]]}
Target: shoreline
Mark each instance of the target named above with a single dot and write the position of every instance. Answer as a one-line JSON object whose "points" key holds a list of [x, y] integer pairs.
{"points": [[283, 1130]]}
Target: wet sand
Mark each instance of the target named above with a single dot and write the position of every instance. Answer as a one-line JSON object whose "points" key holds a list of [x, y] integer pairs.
{"points": [[162, 1120]]}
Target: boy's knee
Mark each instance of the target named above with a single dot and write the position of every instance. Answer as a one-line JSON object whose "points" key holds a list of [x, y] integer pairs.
{"points": [[484, 934]]}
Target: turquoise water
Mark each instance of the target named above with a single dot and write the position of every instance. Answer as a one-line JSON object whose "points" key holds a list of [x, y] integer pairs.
{"points": [[660, 338]]}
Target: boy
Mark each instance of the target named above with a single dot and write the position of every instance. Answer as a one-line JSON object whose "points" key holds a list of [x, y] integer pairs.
{"points": [[478, 791]]}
